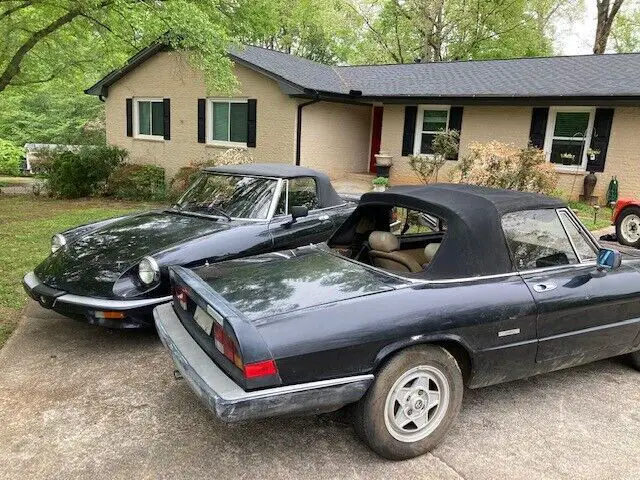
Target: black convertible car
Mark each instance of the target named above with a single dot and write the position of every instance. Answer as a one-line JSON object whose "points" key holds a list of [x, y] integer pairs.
{"points": [[113, 273], [397, 317]]}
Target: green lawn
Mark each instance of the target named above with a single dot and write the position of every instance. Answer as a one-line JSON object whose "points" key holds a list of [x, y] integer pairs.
{"points": [[585, 213], [26, 226]]}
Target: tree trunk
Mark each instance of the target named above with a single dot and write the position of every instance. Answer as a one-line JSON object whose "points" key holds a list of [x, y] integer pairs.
{"points": [[606, 16], [13, 67]]}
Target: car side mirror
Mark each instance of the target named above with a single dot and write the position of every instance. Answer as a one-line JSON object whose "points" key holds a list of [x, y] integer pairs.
{"points": [[608, 259], [298, 211]]}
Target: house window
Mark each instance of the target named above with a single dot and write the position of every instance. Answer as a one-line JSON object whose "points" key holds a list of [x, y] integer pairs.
{"points": [[568, 136], [430, 121], [149, 118], [228, 122]]}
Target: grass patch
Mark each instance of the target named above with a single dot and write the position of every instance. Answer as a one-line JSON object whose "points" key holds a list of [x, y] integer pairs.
{"points": [[26, 226], [585, 213]]}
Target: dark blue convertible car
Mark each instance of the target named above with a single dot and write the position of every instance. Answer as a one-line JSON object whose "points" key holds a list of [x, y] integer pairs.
{"points": [[396, 317], [113, 273]]}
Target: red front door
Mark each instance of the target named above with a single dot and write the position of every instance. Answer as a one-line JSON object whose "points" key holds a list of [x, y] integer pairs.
{"points": [[376, 134]]}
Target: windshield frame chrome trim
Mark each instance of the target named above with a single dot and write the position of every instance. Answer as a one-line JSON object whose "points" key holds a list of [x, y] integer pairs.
{"points": [[270, 212]]}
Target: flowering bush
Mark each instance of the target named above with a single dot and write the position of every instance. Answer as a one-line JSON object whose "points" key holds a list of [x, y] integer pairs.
{"points": [[498, 165], [186, 175]]}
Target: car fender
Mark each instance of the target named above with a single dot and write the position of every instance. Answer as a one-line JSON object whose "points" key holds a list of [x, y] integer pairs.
{"points": [[621, 205], [461, 350]]}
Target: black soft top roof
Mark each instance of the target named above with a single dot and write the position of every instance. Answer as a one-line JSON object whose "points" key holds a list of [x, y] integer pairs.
{"points": [[327, 196], [474, 244]]}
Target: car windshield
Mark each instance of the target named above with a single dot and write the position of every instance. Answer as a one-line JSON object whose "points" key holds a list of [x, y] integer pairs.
{"points": [[231, 196]]}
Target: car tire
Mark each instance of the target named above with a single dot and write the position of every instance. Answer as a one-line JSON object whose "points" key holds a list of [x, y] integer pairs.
{"points": [[635, 359], [628, 227], [412, 403]]}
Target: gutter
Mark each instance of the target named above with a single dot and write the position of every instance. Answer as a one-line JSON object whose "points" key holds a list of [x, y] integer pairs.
{"points": [[299, 124]]}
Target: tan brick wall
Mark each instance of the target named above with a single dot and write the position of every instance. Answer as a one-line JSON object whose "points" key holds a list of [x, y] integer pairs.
{"points": [[479, 124], [336, 138], [623, 159], [167, 75]]}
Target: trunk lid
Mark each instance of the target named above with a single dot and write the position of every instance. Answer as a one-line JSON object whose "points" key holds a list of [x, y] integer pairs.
{"points": [[266, 285]]}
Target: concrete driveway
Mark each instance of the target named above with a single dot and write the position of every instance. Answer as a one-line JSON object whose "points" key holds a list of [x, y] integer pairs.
{"points": [[78, 401]]}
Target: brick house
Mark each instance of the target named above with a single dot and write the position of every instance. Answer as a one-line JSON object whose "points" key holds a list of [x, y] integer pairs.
{"points": [[336, 118]]}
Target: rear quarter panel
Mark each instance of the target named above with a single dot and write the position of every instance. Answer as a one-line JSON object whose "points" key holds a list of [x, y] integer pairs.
{"points": [[356, 336]]}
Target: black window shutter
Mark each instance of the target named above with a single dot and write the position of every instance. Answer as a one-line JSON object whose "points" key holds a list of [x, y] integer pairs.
{"points": [[129, 110], [408, 135], [538, 129], [202, 113], [455, 123], [251, 122], [600, 138], [166, 117]]}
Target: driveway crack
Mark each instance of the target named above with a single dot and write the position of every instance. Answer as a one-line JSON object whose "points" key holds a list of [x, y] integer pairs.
{"points": [[456, 472]]}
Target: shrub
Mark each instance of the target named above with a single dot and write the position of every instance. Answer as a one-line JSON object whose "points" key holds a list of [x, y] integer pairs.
{"points": [[445, 146], [186, 175], [137, 182], [10, 158], [83, 172], [380, 181], [498, 165]]}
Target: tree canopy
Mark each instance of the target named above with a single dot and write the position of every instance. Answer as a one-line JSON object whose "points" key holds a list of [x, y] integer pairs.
{"points": [[51, 51]]}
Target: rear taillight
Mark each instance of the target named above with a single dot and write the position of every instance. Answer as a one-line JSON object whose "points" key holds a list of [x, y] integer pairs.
{"points": [[260, 369], [228, 347]]}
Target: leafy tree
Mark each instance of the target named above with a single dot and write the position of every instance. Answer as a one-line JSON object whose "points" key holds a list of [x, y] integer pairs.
{"points": [[626, 31], [10, 158], [607, 12], [321, 31], [435, 30], [52, 112], [43, 40]]}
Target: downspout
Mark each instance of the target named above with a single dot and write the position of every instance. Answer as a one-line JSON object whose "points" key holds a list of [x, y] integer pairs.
{"points": [[299, 125]]}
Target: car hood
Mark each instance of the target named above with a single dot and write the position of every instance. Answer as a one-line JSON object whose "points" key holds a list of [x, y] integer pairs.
{"points": [[93, 261], [267, 285]]}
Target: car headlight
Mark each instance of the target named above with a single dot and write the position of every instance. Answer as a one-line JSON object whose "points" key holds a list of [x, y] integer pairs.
{"points": [[57, 242], [148, 271]]}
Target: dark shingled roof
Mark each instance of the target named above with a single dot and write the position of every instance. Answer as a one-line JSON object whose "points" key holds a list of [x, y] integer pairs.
{"points": [[574, 76], [600, 76]]}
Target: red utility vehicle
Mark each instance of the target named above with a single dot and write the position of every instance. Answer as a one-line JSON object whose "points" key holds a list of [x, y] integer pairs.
{"points": [[626, 218]]}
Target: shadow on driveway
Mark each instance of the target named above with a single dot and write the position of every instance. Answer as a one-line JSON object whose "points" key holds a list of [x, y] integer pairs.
{"points": [[78, 401]]}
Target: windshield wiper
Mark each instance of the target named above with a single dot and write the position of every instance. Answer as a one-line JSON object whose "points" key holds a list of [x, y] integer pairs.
{"points": [[220, 211], [178, 209]]}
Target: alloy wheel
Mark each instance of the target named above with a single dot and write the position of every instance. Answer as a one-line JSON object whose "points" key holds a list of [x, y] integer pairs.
{"points": [[417, 403], [630, 228]]}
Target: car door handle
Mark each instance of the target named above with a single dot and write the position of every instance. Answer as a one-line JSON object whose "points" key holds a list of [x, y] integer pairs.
{"points": [[544, 287], [322, 218]]}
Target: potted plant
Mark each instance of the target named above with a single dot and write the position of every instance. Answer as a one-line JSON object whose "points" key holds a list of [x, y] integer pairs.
{"points": [[383, 164], [567, 158], [380, 184]]}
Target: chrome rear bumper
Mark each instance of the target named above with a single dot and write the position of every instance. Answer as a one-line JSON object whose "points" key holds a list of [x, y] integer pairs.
{"points": [[228, 401]]}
